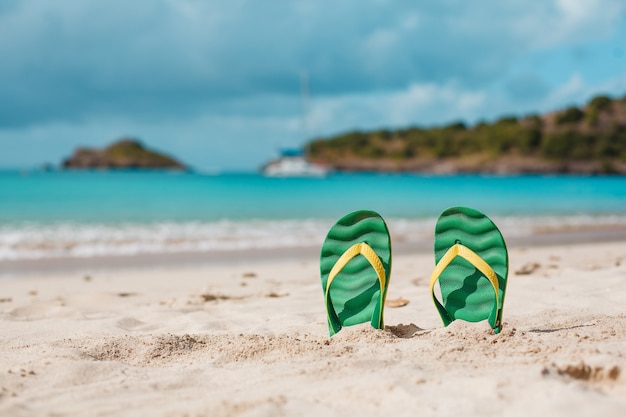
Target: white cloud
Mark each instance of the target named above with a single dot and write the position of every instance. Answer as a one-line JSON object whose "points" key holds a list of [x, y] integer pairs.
{"points": [[570, 21], [418, 104], [571, 90]]}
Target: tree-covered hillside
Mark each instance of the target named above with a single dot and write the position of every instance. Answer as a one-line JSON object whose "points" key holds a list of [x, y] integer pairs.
{"points": [[591, 139]]}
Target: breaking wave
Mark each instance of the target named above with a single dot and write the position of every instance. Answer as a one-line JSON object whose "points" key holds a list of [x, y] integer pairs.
{"points": [[75, 240]]}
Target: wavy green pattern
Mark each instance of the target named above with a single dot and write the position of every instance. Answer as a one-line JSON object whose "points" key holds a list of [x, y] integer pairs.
{"points": [[466, 293], [355, 292]]}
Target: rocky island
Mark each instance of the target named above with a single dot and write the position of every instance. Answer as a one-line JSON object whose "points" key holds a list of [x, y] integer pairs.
{"points": [[123, 154], [586, 140]]}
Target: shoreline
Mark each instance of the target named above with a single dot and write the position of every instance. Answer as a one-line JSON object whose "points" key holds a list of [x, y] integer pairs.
{"points": [[14, 268]]}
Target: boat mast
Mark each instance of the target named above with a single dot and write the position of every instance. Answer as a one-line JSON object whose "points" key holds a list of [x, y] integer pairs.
{"points": [[304, 98]]}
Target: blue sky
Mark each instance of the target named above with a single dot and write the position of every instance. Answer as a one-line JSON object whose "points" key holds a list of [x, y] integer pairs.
{"points": [[218, 83]]}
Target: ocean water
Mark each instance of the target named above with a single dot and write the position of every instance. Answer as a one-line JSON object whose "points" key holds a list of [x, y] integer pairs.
{"points": [[100, 213]]}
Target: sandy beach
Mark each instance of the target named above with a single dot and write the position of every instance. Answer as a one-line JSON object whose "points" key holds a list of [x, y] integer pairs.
{"points": [[249, 338]]}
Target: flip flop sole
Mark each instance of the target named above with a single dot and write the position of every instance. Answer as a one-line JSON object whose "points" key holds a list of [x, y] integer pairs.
{"points": [[466, 293], [355, 292]]}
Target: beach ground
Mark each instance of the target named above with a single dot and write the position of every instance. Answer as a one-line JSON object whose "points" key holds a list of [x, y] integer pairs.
{"points": [[249, 338]]}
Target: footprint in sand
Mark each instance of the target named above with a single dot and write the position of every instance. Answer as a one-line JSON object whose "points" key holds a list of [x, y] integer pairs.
{"points": [[131, 323], [38, 310]]}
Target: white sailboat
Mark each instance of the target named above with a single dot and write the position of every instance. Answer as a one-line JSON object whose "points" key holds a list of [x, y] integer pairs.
{"points": [[293, 162]]}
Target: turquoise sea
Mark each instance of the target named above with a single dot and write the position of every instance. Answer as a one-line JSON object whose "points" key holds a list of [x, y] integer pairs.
{"points": [[96, 213]]}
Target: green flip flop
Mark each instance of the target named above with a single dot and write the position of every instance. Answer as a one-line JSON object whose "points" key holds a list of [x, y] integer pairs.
{"points": [[471, 266], [355, 267]]}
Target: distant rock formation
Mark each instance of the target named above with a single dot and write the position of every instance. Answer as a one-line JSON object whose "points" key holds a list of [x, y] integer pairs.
{"points": [[123, 154]]}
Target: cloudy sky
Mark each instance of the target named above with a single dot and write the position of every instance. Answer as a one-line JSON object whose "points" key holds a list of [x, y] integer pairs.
{"points": [[218, 84]]}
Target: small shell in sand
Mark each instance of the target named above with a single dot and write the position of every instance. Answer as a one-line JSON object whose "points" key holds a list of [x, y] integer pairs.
{"points": [[398, 302]]}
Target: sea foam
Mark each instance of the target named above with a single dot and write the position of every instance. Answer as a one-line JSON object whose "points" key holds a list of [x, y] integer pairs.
{"points": [[74, 240]]}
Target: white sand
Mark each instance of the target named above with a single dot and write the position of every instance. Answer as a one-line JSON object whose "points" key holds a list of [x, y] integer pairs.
{"points": [[252, 341]]}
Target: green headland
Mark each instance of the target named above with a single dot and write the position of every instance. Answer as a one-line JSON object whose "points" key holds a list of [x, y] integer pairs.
{"points": [[578, 140]]}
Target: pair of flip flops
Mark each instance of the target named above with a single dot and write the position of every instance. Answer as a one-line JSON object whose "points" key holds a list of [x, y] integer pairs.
{"points": [[471, 268]]}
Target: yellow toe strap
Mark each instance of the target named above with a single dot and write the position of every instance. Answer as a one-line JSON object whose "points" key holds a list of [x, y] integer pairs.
{"points": [[479, 263], [371, 256]]}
